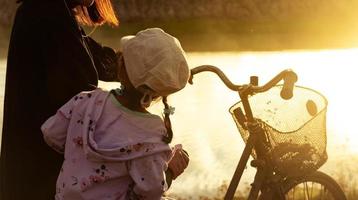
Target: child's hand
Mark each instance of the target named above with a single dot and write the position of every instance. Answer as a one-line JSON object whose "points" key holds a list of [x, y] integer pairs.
{"points": [[179, 162]]}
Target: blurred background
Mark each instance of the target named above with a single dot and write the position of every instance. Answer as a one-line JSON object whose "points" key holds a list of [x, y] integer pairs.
{"points": [[230, 25], [317, 39]]}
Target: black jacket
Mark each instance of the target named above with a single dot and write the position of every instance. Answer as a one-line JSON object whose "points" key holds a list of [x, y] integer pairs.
{"points": [[49, 61]]}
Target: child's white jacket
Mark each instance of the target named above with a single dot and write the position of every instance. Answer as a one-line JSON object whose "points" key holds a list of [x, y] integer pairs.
{"points": [[110, 152]]}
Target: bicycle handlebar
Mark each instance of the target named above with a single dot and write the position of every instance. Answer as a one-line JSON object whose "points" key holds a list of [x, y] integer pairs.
{"points": [[287, 75], [217, 71]]}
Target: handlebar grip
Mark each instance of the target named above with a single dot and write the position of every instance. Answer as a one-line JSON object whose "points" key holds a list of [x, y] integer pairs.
{"points": [[289, 82]]}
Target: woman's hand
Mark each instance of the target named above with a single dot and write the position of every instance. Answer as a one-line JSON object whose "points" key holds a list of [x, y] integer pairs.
{"points": [[179, 162]]}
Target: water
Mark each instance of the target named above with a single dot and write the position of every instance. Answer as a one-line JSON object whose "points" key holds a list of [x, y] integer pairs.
{"points": [[204, 126]]}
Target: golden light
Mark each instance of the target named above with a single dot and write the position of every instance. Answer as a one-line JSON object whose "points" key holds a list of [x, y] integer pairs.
{"points": [[204, 126]]}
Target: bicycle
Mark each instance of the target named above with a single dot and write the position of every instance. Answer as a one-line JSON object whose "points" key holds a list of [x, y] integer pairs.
{"points": [[286, 154]]}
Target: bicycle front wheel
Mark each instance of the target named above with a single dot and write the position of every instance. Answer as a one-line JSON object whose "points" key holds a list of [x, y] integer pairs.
{"points": [[315, 186]]}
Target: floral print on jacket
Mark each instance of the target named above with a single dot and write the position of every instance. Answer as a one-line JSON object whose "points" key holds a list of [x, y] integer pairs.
{"points": [[110, 152]]}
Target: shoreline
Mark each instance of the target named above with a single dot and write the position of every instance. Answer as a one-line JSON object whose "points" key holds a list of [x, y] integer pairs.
{"points": [[233, 35]]}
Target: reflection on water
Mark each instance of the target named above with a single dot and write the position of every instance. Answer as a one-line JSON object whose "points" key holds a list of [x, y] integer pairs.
{"points": [[204, 126]]}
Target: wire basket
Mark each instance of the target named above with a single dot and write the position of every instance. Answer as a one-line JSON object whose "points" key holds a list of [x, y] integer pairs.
{"points": [[295, 128]]}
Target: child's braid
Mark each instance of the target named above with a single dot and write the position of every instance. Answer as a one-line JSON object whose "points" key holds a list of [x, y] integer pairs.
{"points": [[168, 138]]}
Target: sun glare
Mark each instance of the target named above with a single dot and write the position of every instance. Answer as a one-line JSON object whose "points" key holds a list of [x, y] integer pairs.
{"points": [[207, 131], [331, 72]]}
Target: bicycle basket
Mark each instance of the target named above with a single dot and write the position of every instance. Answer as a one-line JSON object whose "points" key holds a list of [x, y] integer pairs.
{"points": [[295, 128]]}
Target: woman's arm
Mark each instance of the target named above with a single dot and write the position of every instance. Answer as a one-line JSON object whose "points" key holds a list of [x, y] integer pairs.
{"points": [[105, 59]]}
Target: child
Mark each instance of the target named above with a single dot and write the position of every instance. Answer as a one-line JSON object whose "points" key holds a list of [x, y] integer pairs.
{"points": [[113, 147]]}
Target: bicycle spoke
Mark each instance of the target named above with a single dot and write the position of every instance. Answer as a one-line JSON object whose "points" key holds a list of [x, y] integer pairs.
{"points": [[312, 188], [306, 194], [309, 191]]}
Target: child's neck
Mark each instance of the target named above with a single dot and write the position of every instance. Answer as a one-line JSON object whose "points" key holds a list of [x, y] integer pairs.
{"points": [[130, 102]]}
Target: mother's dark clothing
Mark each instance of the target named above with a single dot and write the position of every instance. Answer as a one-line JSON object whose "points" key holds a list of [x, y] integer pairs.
{"points": [[48, 62]]}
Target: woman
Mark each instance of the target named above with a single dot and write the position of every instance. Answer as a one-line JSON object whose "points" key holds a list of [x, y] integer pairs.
{"points": [[49, 60]]}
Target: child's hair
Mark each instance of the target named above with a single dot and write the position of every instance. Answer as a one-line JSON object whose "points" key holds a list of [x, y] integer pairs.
{"points": [[168, 125]]}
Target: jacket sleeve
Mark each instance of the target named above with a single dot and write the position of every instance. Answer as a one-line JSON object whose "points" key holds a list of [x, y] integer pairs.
{"points": [[105, 59], [54, 130], [148, 174]]}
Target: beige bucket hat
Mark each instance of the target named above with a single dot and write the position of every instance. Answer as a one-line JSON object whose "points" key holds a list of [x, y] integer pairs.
{"points": [[155, 59]]}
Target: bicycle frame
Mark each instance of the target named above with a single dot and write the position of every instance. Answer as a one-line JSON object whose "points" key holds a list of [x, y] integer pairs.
{"points": [[254, 142], [256, 136]]}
